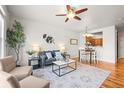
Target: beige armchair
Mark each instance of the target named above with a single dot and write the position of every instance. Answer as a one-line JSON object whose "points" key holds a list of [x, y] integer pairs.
{"points": [[9, 81], [8, 64]]}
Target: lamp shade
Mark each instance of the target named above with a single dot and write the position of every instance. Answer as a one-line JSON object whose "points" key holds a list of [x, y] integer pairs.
{"points": [[36, 47], [62, 48]]}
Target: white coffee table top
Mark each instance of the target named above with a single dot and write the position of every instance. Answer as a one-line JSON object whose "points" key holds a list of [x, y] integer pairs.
{"points": [[59, 63]]}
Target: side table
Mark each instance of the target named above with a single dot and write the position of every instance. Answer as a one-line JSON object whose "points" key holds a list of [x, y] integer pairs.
{"points": [[34, 59]]}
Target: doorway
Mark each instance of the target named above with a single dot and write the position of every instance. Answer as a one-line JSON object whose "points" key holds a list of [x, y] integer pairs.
{"points": [[120, 47]]}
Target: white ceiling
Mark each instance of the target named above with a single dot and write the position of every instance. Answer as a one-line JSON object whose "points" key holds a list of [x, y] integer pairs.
{"points": [[97, 16]]}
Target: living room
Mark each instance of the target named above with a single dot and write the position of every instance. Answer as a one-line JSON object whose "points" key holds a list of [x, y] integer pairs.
{"points": [[44, 31]]}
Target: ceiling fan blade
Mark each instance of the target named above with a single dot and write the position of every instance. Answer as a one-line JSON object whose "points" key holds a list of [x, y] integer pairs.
{"points": [[80, 11], [61, 15], [78, 18], [68, 7], [66, 19]]}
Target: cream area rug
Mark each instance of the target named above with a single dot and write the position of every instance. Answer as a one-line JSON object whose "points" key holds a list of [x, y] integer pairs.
{"points": [[84, 76]]}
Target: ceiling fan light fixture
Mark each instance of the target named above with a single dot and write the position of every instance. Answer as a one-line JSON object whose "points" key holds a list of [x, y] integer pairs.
{"points": [[71, 14]]}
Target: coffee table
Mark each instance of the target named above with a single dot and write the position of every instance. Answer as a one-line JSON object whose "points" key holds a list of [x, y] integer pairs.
{"points": [[62, 65]]}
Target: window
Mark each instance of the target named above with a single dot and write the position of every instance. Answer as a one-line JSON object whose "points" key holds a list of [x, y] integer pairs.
{"points": [[1, 35]]}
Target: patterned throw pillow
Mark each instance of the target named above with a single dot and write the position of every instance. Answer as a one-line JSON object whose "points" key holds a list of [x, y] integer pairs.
{"points": [[58, 56], [49, 55]]}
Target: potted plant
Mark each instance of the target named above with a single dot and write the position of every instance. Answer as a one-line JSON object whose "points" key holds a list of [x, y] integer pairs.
{"points": [[16, 38], [30, 52]]}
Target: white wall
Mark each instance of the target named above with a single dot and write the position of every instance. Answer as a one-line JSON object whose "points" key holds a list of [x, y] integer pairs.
{"points": [[34, 31], [108, 52], [121, 42], [110, 44]]}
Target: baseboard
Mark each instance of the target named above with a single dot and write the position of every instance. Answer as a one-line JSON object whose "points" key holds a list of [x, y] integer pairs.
{"points": [[120, 57], [107, 62], [75, 58]]}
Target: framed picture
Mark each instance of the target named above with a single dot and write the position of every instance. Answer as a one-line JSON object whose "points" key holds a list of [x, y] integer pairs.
{"points": [[73, 41]]}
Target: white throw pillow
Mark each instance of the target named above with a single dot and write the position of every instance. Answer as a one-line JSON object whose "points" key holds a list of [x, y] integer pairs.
{"points": [[48, 55], [58, 56]]}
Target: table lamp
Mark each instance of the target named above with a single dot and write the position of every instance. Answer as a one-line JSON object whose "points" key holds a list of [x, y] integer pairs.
{"points": [[36, 48]]}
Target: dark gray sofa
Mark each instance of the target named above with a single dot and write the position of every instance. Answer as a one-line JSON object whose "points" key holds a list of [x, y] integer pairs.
{"points": [[45, 60]]}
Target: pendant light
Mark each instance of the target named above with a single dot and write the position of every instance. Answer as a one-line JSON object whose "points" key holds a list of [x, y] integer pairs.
{"points": [[86, 34]]}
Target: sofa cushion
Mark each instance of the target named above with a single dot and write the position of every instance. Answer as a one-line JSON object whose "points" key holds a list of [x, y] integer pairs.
{"points": [[34, 82], [49, 61], [49, 55], [7, 64], [8, 81], [21, 72]]}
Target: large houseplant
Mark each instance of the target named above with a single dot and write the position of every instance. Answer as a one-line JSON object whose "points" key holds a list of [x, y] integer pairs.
{"points": [[16, 38]]}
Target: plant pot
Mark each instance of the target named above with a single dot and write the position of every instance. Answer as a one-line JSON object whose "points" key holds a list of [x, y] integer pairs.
{"points": [[30, 56]]}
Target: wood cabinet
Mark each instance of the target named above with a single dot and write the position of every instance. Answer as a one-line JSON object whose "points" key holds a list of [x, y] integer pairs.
{"points": [[98, 42], [94, 41]]}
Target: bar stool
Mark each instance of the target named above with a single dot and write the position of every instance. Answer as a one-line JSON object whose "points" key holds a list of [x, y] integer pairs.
{"points": [[84, 56], [91, 56], [94, 57]]}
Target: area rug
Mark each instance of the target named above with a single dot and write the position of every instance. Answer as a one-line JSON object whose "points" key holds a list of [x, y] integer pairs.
{"points": [[84, 77]]}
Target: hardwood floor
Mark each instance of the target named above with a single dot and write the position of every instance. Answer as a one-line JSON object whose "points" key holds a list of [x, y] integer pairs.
{"points": [[116, 78]]}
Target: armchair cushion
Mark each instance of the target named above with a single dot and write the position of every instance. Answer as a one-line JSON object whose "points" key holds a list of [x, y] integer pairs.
{"points": [[7, 64], [21, 72]]}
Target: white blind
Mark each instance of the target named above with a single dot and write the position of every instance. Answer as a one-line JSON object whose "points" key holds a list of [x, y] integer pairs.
{"points": [[1, 36], [0, 26], [0, 46]]}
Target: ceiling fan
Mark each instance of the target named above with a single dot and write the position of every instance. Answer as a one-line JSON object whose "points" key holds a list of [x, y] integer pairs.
{"points": [[72, 13]]}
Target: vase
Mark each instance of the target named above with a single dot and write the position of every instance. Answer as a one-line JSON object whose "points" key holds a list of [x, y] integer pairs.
{"points": [[30, 56]]}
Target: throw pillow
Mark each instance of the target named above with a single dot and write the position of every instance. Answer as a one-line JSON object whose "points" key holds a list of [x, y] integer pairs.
{"points": [[58, 56], [49, 55]]}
